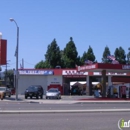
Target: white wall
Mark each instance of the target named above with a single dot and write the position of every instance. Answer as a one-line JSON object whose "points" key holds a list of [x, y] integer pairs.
{"points": [[44, 81], [52, 79], [27, 80]]}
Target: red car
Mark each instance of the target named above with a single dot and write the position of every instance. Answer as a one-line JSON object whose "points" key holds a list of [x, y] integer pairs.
{"points": [[12, 91]]}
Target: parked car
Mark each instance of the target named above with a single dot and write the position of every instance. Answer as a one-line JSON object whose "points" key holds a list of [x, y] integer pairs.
{"points": [[34, 91], [6, 91], [12, 91], [53, 93]]}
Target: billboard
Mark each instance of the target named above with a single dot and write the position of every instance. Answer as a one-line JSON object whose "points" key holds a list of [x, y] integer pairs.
{"points": [[3, 51], [36, 72]]}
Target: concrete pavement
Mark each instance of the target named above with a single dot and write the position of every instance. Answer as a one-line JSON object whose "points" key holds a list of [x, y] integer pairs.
{"points": [[61, 111], [67, 100], [64, 100]]}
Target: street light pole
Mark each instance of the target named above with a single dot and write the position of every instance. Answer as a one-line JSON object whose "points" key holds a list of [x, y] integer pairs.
{"points": [[16, 54], [129, 56], [6, 75], [14, 79]]}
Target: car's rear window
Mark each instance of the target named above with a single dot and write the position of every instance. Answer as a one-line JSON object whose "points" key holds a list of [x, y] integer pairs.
{"points": [[2, 89], [32, 88], [52, 90]]}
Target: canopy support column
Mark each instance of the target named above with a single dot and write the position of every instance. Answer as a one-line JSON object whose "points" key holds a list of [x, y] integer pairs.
{"points": [[109, 80], [104, 83], [88, 85]]}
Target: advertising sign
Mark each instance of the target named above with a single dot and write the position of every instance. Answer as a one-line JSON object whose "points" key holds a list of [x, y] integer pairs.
{"points": [[3, 51], [125, 67], [109, 73], [87, 67], [73, 72], [36, 72]]}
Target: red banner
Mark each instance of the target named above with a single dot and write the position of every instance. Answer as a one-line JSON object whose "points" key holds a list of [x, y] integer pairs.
{"points": [[3, 51]]}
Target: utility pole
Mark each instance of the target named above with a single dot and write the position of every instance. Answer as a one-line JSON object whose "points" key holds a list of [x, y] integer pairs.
{"points": [[14, 79], [128, 55], [6, 75]]}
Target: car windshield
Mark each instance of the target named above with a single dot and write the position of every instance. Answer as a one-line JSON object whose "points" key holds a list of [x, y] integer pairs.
{"points": [[52, 90], [1, 89], [32, 88]]}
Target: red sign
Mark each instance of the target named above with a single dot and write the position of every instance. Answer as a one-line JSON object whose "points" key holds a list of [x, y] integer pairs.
{"points": [[3, 51], [87, 67]]}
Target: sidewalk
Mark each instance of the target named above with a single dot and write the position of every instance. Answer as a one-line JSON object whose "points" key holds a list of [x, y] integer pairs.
{"points": [[69, 100], [105, 99]]}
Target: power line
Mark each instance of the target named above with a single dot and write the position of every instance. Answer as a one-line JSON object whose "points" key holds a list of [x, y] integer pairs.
{"points": [[28, 63]]}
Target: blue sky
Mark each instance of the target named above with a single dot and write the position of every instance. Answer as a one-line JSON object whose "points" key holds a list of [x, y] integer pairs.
{"points": [[97, 23]]}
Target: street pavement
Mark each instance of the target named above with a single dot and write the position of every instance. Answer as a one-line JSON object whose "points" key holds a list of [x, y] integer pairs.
{"points": [[68, 113], [63, 121], [69, 104]]}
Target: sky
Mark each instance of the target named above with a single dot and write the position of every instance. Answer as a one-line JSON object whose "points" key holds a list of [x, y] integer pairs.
{"points": [[95, 23]]}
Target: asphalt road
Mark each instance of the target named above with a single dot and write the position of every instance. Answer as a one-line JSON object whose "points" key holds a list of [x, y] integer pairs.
{"points": [[60, 121], [81, 106]]}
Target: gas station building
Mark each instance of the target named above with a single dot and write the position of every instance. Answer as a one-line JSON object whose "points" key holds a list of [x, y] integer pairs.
{"points": [[61, 78]]}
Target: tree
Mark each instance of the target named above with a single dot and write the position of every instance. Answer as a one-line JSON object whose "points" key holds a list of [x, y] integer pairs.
{"points": [[84, 57], [89, 55], [120, 55], [78, 62], [53, 54], [10, 76], [128, 56], [70, 54], [42, 64], [105, 54], [62, 58]]}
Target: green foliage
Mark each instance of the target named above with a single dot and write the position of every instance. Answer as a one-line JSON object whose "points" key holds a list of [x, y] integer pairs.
{"points": [[105, 54], [53, 55], [70, 54], [128, 56], [120, 55], [62, 58], [89, 55], [10, 76], [79, 63], [84, 57], [68, 58], [42, 64]]}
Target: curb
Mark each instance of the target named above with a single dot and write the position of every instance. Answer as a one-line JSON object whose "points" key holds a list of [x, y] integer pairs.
{"points": [[68, 102], [62, 111]]}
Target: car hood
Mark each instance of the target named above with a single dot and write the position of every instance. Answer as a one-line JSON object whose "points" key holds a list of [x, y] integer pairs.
{"points": [[2, 90]]}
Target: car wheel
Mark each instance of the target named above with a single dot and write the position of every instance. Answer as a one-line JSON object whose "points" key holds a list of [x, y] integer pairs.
{"points": [[41, 97], [37, 97], [26, 97], [4, 96], [31, 97], [46, 97], [9, 96]]}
